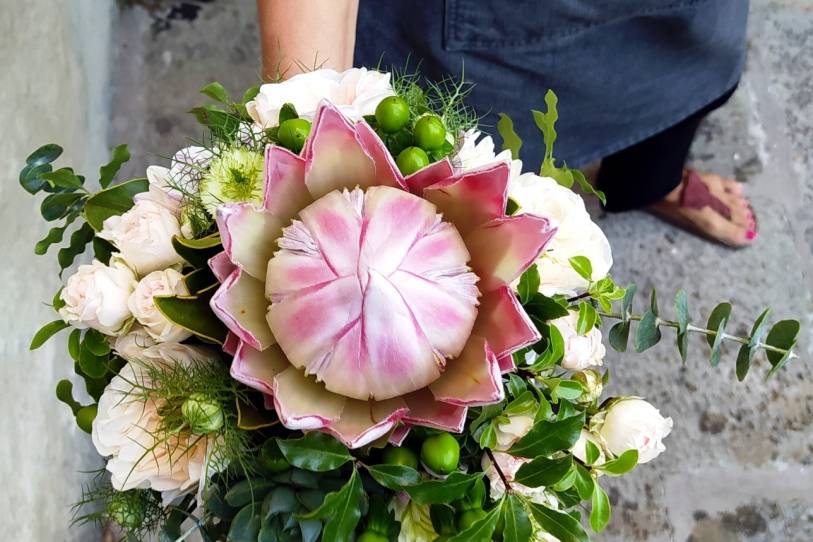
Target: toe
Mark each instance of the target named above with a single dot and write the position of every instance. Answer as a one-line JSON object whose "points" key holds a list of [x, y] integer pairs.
{"points": [[728, 231]]}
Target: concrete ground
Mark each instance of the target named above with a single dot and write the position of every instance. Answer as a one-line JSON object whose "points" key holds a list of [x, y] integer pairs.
{"points": [[738, 466]]}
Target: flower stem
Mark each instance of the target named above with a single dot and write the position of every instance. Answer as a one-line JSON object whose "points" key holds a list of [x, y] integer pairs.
{"points": [[499, 471]]}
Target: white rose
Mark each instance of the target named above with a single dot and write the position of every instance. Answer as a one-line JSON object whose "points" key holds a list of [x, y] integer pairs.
{"points": [[579, 450], [509, 465], [142, 305], [138, 346], [355, 92], [514, 429], [96, 297], [634, 423], [143, 234], [581, 351], [127, 424], [577, 234]]}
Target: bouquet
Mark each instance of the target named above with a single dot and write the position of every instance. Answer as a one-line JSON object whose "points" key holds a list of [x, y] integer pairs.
{"points": [[342, 315]]}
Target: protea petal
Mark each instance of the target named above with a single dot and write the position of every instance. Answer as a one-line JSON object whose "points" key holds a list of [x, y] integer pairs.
{"points": [[363, 422], [249, 236], [505, 247], [231, 343], [257, 369], [303, 403], [473, 378], [503, 322], [399, 435], [334, 157], [472, 198], [431, 174], [442, 248], [289, 272], [285, 191], [240, 303], [335, 225], [386, 172], [308, 323], [221, 265], [445, 318], [506, 364], [425, 410], [393, 220]]}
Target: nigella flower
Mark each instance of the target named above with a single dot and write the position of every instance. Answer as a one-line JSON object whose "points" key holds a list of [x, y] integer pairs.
{"points": [[361, 299], [235, 175]]}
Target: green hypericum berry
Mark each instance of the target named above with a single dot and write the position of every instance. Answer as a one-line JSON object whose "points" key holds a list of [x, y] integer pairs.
{"points": [[470, 517], [203, 414], [400, 456], [392, 114], [370, 536], [440, 453], [293, 133], [429, 132], [271, 457], [127, 509], [85, 417], [411, 160]]}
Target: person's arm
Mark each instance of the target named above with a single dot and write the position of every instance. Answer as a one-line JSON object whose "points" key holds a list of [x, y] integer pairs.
{"points": [[299, 35]]}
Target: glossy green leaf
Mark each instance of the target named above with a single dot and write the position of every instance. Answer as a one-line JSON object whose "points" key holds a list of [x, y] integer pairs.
{"points": [[63, 178], [315, 451], [54, 236], [56, 206], [395, 477], [107, 172], [64, 392], [591, 452], [582, 266], [528, 284], [563, 526], [341, 509], [31, 177], [44, 155], [543, 471], [515, 520], [102, 250], [217, 92], [76, 246], [587, 318], [583, 482], [74, 340], [92, 365], [223, 124], [287, 112], [600, 512], [783, 335], [198, 251], [647, 334], [510, 139], [481, 530], [199, 280], [545, 308], [111, 201], [547, 437], [245, 527], [251, 93], [248, 491], [587, 187], [193, 313], [281, 500], [452, 488], [620, 465], [96, 342], [46, 332]]}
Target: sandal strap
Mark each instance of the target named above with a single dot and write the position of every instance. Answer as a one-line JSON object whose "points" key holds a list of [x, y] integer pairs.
{"points": [[696, 195]]}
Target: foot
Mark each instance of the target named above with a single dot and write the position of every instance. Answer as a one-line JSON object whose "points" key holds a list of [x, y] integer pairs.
{"points": [[738, 229]]}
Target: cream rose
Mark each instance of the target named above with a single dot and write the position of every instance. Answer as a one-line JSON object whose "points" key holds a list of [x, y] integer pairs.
{"points": [[356, 92], [143, 234], [581, 351], [96, 297], [509, 465], [579, 450], [514, 429], [142, 305], [138, 346], [576, 235], [125, 428], [633, 423]]}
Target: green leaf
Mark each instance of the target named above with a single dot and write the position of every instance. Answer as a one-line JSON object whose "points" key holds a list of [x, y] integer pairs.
{"points": [[583, 481], [588, 188], [546, 122], [481, 530], [44, 155], [315, 451], [452, 488], [251, 93], [79, 240], [31, 177], [528, 284], [619, 336], [395, 477], [287, 112], [511, 206], [582, 266], [747, 352], [563, 526], [216, 92], [488, 435], [547, 437], [96, 343], [626, 304], [112, 201], [246, 524], [93, 366], [194, 314], [545, 308], [653, 302], [648, 334], [587, 318], [102, 250], [199, 280], [682, 310], [108, 171], [282, 499], [601, 510], [54, 236], [717, 322], [782, 335], [543, 471], [510, 139], [223, 124], [342, 509], [248, 491], [621, 464], [516, 524], [591, 452], [197, 252], [63, 178], [46, 332], [74, 344], [56, 206], [64, 392]]}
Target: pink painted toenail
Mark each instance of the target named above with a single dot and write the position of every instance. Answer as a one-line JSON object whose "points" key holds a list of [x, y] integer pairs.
{"points": [[751, 235]]}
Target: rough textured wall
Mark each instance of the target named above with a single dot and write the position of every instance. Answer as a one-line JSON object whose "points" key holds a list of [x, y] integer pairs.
{"points": [[54, 74]]}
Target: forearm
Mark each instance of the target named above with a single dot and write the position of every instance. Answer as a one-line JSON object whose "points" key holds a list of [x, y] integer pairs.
{"points": [[299, 35]]}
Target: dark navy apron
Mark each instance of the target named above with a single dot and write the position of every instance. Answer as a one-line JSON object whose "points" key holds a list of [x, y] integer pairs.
{"points": [[623, 69]]}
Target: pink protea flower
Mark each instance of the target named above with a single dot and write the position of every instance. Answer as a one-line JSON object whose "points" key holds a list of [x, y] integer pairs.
{"points": [[358, 299]]}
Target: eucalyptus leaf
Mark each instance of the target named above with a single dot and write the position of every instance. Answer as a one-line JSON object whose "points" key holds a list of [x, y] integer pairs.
{"points": [[647, 334], [783, 335], [56, 206], [626, 304], [718, 314], [747, 352], [619, 336]]}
